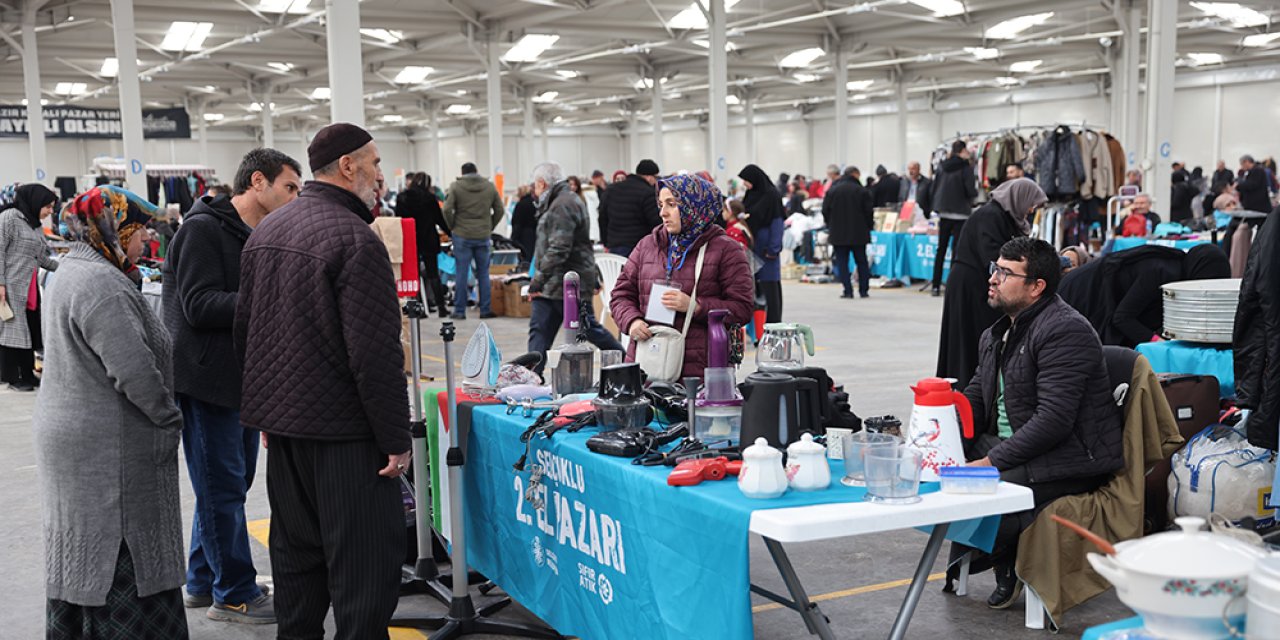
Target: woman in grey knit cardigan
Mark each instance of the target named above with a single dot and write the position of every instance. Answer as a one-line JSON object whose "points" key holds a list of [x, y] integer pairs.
{"points": [[107, 432]]}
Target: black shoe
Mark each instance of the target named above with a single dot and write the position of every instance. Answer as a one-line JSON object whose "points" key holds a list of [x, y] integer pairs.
{"points": [[846, 296], [486, 316], [444, 313], [459, 316], [1008, 588], [937, 292], [21, 386], [953, 575], [864, 295]]}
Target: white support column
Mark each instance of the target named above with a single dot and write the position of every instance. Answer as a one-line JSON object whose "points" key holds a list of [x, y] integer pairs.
{"points": [[750, 113], [1129, 129], [656, 113], [495, 109], [526, 133], [436, 161], [130, 94], [718, 112], [633, 137], [841, 130], [346, 66], [1217, 124], [268, 120], [902, 126], [304, 145], [202, 127], [1162, 40], [546, 140], [31, 83]]}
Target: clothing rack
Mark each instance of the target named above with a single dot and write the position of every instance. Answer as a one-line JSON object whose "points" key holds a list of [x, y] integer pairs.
{"points": [[1083, 124], [117, 170]]}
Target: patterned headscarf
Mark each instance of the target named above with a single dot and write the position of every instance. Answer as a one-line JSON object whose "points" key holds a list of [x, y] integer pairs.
{"points": [[98, 217], [700, 204]]}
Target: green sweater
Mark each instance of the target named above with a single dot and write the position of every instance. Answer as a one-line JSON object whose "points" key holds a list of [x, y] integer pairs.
{"points": [[473, 207]]}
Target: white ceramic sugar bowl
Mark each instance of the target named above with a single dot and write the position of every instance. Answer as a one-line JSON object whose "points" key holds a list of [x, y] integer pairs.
{"points": [[807, 465], [762, 475]]}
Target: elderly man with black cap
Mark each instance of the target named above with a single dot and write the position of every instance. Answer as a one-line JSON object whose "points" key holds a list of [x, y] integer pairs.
{"points": [[317, 328], [631, 211]]}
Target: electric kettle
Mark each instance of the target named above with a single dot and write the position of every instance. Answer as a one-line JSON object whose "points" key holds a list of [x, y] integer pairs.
{"points": [[783, 345], [934, 429], [778, 407]]}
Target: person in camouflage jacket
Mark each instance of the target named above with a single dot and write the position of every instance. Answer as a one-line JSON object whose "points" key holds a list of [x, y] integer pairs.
{"points": [[563, 245]]}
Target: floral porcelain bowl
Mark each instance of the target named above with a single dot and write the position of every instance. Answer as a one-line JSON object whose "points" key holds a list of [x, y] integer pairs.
{"points": [[1181, 582]]}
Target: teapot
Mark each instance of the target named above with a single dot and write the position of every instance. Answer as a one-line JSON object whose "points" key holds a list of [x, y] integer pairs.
{"points": [[783, 346], [934, 429], [807, 466], [762, 476]]}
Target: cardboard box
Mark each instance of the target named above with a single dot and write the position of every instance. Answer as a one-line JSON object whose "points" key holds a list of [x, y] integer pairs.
{"points": [[516, 305], [497, 295]]}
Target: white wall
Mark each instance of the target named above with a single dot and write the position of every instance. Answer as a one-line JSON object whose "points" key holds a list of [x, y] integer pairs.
{"points": [[786, 142]]}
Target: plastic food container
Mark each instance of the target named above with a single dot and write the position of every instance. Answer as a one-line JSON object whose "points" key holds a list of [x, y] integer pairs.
{"points": [[969, 479]]}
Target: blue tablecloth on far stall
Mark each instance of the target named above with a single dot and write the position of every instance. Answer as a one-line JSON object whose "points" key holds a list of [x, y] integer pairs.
{"points": [[903, 255], [615, 552], [1129, 243], [1180, 356]]}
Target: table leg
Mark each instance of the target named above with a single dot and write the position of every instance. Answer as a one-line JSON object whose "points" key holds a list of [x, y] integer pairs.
{"points": [[814, 619], [918, 581]]}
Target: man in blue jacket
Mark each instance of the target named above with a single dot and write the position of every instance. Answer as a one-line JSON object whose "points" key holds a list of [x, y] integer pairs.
{"points": [[201, 286]]}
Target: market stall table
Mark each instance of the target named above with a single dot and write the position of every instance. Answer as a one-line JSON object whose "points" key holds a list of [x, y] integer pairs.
{"points": [[1180, 356], [599, 547], [903, 256], [1122, 244]]}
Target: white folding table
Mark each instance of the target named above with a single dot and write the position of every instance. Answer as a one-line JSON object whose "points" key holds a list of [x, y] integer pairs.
{"points": [[827, 521]]}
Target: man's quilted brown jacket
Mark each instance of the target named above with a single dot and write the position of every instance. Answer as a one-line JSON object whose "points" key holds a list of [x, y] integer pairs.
{"points": [[318, 326]]}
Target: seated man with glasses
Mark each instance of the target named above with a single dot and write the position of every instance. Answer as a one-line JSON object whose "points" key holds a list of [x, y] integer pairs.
{"points": [[1042, 405]]}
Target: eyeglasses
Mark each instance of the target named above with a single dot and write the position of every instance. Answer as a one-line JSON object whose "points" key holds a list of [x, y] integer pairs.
{"points": [[1004, 274]]}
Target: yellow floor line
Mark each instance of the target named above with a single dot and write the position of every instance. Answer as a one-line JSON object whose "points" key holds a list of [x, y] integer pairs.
{"points": [[857, 591]]}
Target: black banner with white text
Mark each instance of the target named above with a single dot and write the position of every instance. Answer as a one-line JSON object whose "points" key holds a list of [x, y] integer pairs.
{"points": [[89, 122]]}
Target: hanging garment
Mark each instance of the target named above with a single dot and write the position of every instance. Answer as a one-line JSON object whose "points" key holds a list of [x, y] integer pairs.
{"points": [[1061, 168]]}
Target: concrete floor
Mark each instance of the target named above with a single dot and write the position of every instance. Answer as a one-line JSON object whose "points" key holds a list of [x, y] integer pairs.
{"points": [[875, 347]]}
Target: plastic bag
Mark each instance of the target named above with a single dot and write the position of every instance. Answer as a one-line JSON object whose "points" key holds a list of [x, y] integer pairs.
{"points": [[1219, 472]]}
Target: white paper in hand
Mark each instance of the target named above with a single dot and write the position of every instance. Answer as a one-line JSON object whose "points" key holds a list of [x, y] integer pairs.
{"points": [[655, 312]]}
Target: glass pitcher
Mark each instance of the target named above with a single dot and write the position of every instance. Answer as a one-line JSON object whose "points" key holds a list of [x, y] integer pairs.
{"points": [[783, 346]]}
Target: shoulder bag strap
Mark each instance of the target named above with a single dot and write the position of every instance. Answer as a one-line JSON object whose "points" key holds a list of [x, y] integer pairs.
{"points": [[693, 295]]}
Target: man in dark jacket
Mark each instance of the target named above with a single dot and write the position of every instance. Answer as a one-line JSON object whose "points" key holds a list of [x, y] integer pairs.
{"points": [[850, 217], [1257, 352], [202, 283], [1255, 192], [472, 210], [563, 245], [916, 188], [631, 210], [1042, 407], [1222, 176], [318, 330], [886, 188], [953, 192]]}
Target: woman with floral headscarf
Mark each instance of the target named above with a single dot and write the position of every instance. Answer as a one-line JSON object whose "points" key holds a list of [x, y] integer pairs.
{"points": [[22, 247], [689, 207], [107, 430]]}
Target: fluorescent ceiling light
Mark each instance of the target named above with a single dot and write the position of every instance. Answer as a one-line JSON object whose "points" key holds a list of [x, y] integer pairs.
{"points": [[412, 75], [546, 97], [43, 102], [674, 95], [858, 85], [693, 18], [321, 93], [186, 36], [283, 6], [257, 106], [392, 117], [1198, 59], [1260, 39], [281, 66], [213, 117], [859, 97], [941, 8], [1007, 81], [647, 83], [457, 109], [1239, 15], [385, 35], [705, 44], [1025, 66], [110, 67], [802, 58], [558, 119], [529, 47], [1013, 26], [567, 74], [70, 88], [983, 53], [807, 77], [732, 100]]}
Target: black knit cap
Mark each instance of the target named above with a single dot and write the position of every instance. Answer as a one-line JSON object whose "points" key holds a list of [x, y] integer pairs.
{"points": [[647, 168], [335, 141]]}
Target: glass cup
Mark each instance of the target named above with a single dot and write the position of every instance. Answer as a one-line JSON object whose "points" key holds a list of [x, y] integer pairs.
{"points": [[610, 357], [893, 477], [856, 446]]}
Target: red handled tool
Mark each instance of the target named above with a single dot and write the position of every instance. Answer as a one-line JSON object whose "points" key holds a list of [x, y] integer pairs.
{"points": [[693, 472]]}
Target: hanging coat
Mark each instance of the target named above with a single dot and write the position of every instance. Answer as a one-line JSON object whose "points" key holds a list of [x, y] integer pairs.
{"points": [[1061, 169]]}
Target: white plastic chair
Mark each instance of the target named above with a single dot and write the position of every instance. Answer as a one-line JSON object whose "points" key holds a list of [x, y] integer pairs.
{"points": [[610, 265]]}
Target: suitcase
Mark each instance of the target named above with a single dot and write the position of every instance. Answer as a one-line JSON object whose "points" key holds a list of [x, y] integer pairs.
{"points": [[1196, 404]]}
